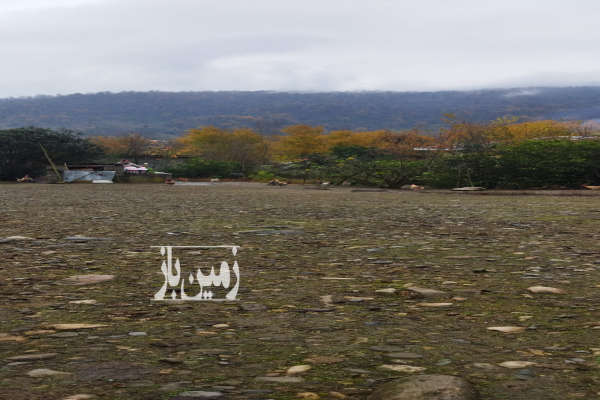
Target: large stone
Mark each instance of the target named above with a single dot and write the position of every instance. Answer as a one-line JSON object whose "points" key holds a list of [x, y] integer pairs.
{"points": [[426, 387]]}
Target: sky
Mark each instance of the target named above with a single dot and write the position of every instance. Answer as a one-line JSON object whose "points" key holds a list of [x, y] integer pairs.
{"points": [[82, 46]]}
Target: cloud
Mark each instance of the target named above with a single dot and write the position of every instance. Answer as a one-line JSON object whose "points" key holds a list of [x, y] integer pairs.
{"points": [[522, 92], [64, 46], [11, 6]]}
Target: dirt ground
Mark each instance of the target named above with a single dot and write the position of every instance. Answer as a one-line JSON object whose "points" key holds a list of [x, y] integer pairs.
{"points": [[312, 265]]}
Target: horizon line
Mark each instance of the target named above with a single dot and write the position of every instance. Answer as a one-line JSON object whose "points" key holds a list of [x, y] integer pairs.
{"points": [[284, 91]]}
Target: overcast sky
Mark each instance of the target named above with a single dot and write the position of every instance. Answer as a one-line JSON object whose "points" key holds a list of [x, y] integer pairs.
{"points": [[67, 46]]}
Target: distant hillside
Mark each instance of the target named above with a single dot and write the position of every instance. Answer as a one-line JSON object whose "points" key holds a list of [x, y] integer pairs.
{"points": [[162, 114]]}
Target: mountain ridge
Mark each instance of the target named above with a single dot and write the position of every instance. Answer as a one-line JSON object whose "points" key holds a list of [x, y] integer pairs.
{"points": [[167, 114]]}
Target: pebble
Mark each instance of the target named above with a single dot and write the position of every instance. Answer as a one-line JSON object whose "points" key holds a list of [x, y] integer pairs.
{"points": [[545, 289], [10, 239], [516, 364], [506, 329], [171, 360], [484, 366], [575, 361], [4, 337], [425, 292], [387, 349], [137, 334], [280, 379], [90, 279], [324, 359], [524, 374], [256, 391], [200, 394], [64, 334], [32, 357], [39, 332], [308, 395], [83, 302], [434, 305], [358, 299], [426, 387], [386, 291], [404, 355], [253, 307], [298, 369], [358, 371], [43, 372], [81, 396], [170, 387], [402, 368], [81, 238], [72, 327]]}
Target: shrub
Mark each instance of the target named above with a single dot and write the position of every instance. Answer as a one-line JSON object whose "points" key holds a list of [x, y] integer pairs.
{"points": [[199, 168]]}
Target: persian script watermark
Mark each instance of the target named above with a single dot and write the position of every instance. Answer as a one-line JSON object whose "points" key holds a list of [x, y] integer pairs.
{"points": [[174, 281]]}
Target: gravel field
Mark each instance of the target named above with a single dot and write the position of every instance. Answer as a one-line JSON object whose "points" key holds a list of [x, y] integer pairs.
{"points": [[349, 289]]}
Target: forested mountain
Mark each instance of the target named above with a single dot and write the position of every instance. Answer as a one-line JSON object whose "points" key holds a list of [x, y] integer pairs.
{"points": [[162, 114]]}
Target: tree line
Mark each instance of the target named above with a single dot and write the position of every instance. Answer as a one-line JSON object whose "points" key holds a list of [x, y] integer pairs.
{"points": [[503, 153]]}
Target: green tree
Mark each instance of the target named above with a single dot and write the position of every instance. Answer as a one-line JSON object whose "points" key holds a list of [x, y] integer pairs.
{"points": [[20, 151]]}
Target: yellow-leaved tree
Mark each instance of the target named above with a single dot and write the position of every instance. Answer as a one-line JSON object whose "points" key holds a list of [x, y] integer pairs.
{"points": [[243, 146], [131, 146], [507, 131], [299, 142]]}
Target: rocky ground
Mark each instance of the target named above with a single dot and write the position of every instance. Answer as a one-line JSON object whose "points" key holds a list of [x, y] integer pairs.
{"points": [[340, 292]]}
